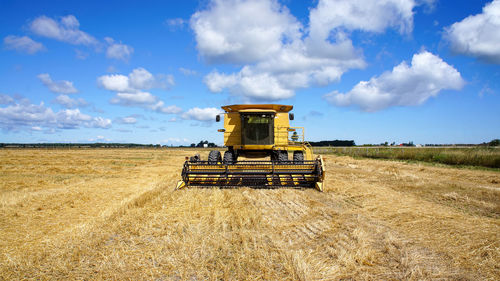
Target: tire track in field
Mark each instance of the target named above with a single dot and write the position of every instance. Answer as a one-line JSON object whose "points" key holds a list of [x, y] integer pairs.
{"points": [[300, 222], [329, 238]]}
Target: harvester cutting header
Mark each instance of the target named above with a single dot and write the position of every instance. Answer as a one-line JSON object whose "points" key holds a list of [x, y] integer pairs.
{"points": [[253, 131]]}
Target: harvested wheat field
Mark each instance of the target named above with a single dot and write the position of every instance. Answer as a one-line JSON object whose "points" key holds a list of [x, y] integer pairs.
{"points": [[114, 214]]}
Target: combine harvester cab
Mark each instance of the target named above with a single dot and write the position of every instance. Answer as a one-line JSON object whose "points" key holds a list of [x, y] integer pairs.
{"points": [[256, 132]]}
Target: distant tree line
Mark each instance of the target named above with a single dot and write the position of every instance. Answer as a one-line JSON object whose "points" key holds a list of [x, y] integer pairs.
{"points": [[204, 144], [495, 142], [333, 143]]}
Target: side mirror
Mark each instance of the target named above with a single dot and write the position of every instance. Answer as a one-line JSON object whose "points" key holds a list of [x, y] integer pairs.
{"points": [[217, 118], [291, 116]]}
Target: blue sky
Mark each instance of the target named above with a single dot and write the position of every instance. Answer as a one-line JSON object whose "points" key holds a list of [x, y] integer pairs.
{"points": [[158, 71]]}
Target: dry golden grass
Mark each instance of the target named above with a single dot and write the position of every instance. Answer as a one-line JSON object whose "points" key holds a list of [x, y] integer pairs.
{"points": [[114, 214], [465, 156]]}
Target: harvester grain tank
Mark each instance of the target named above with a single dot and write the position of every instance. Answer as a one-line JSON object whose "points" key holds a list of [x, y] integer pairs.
{"points": [[253, 132]]}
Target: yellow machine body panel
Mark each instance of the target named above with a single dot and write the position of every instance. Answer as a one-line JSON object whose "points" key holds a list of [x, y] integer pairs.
{"points": [[233, 128]]}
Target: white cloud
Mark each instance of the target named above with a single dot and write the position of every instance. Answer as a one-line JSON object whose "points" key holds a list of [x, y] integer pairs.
{"points": [[403, 86], [99, 122], [66, 30], [140, 78], [175, 23], [119, 51], [59, 87], [478, 35], [229, 31], [201, 114], [68, 102], [187, 72], [114, 82], [73, 118], [135, 98], [278, 55], [6, 99], [216, 81], [127, 120], [171, 109], [366, 15], [24, 115], [144, 100], [100, 139], [130, 89], [164, 81], [261, 86], [22, 44]]}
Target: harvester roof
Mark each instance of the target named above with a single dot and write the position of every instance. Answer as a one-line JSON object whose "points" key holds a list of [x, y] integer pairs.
{"points": [[257, 107]]}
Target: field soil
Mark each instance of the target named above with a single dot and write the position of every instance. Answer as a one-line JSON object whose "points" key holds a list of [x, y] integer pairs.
{"points": [[115, 214]]}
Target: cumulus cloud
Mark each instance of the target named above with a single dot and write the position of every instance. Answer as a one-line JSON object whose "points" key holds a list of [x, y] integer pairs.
{"points": [[262, 86], [229, 31], [22, 44], [67, 29], [114, 82], [99, 122], [278, 55], [138, 79], [144, 100], [118, 51], [59, 87], [25, 115], [201, 114], [405, 85], [366, 15], [130, 89], [478, 35], [68, 102]]}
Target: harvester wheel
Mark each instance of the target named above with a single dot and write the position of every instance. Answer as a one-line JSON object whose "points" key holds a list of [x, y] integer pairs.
{"points": [[229, 157], [195, 158], [214, 157], [298, 157], [282, 156]]}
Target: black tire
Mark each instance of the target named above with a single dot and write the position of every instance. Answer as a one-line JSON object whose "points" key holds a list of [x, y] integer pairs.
{"points": [[298, 157], [195, 158], [282, 156], [229, 157], [214, 157]]}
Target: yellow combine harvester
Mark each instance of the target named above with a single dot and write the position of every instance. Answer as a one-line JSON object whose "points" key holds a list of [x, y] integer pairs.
{"points": [[257, 131]]}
